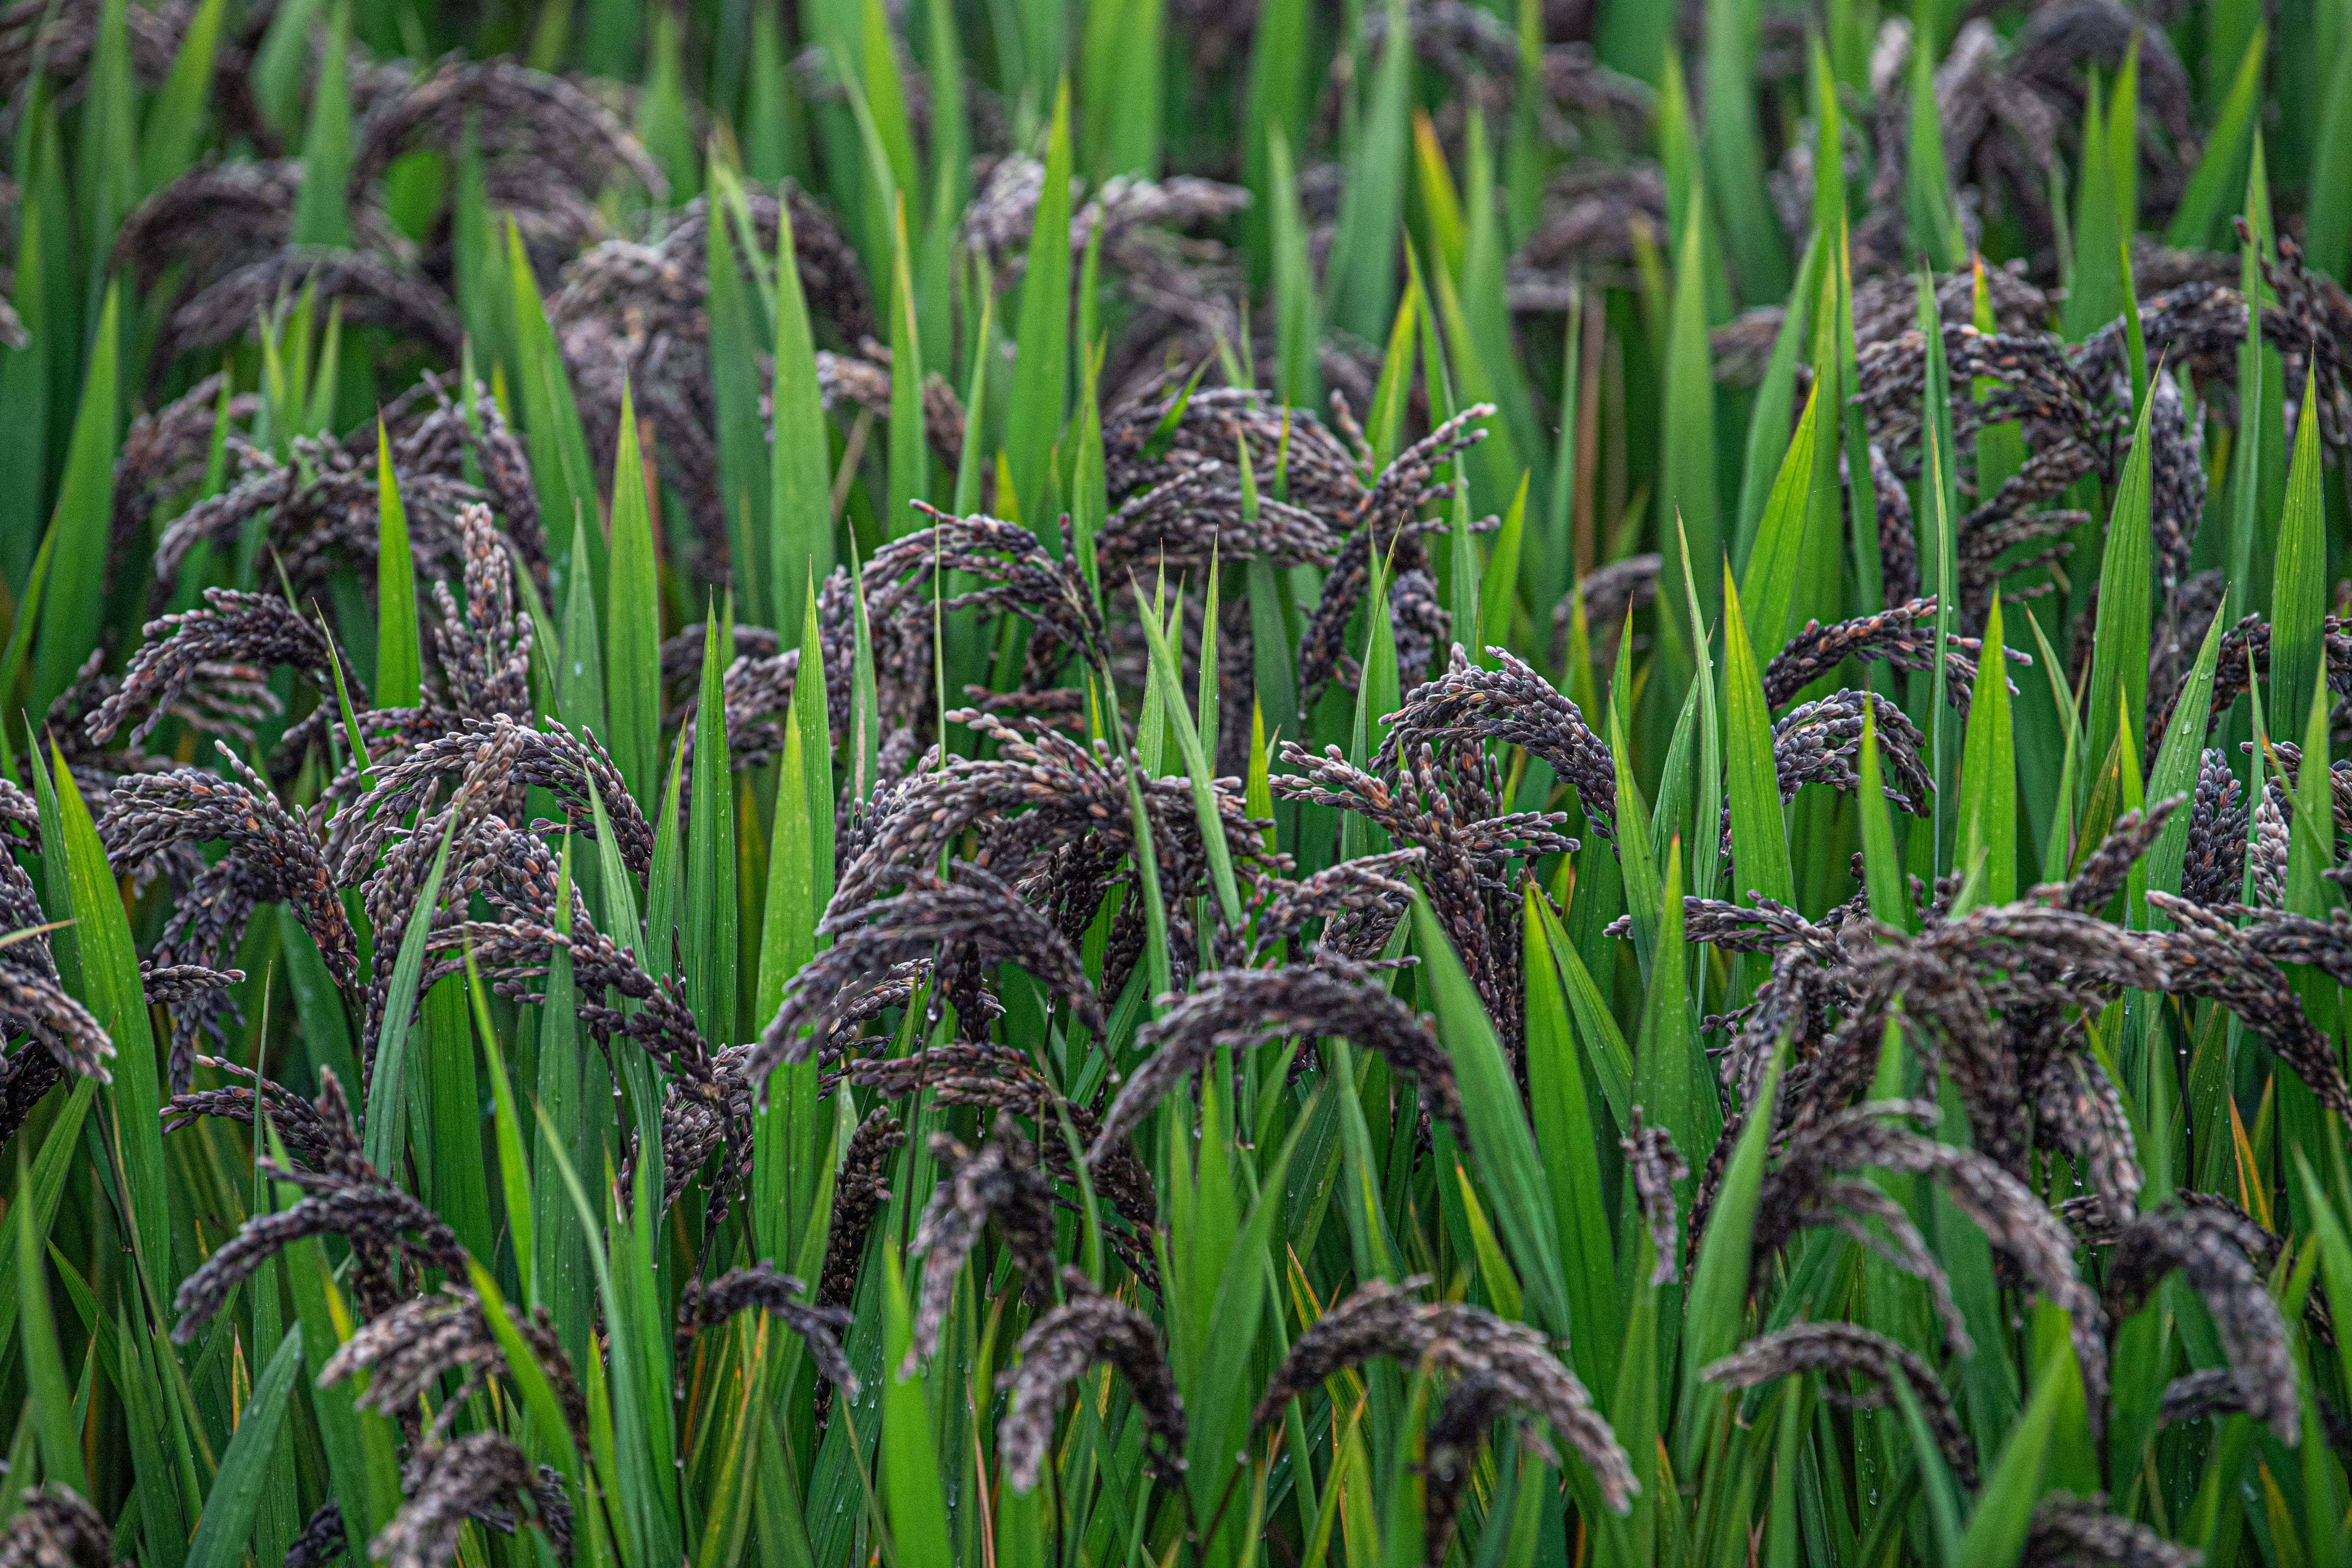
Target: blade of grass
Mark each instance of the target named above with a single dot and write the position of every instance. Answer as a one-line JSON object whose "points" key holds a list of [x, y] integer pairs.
{"points": [[559, 464], [1502, 1149], [2220, 173], [388, 1090], [1987, 827], [1686, 459], [1716, 1314], [46, 1380], [168, 142], [235, 1494], [1568, 1154], [322, 209], [73, 616], [109, 983], [399, 660], [1759, 844], [1360, 277], [1731, 35], [633, 622], [2120, 654], [711, 910], [800, 507], [1041, 369]]}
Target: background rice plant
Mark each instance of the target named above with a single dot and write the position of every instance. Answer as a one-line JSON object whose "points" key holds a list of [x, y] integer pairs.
{"points": [[985, 783]]}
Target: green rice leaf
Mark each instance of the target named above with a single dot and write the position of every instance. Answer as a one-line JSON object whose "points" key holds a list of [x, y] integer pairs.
{"points": [[1384, 422], [559, 464], [558, 1277], [24, 435], [2220, 173], [175, 119], [2250, 457], [633, 622], [662, 123], [106, 166], [1768, 421], [1298, 376], [47, 1385], [1927, 184], [910, 453], [360, 1462], [1715, 1313], [2120, 654], [73, 615], [1768, 591], [800, 505], [2329, 215], [1988, 776], [388, 1089], [2004, 1507], [736, 338], [1759, 842], [1686, 459], [1041, 370], [1501, 578], [514, 1169], [399, 661], [1731, 35], [2299, 587], [2177, 763], [235, 1495], [551, 1432], [1502, 1148], [1567, 1153], [110, 985], [40, 1194], [1360, 276], [710, 910], [2095, 289], [322, 209]]}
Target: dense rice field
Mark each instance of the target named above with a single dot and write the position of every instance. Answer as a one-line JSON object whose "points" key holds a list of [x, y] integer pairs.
{"points": [[1174, 783]]}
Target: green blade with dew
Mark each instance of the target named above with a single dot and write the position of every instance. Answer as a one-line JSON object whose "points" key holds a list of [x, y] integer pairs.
{"points": [[235, 1496]]}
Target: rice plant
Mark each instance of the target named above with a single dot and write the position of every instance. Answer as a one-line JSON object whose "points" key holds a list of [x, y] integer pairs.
{"points": [[1181, 783]]}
